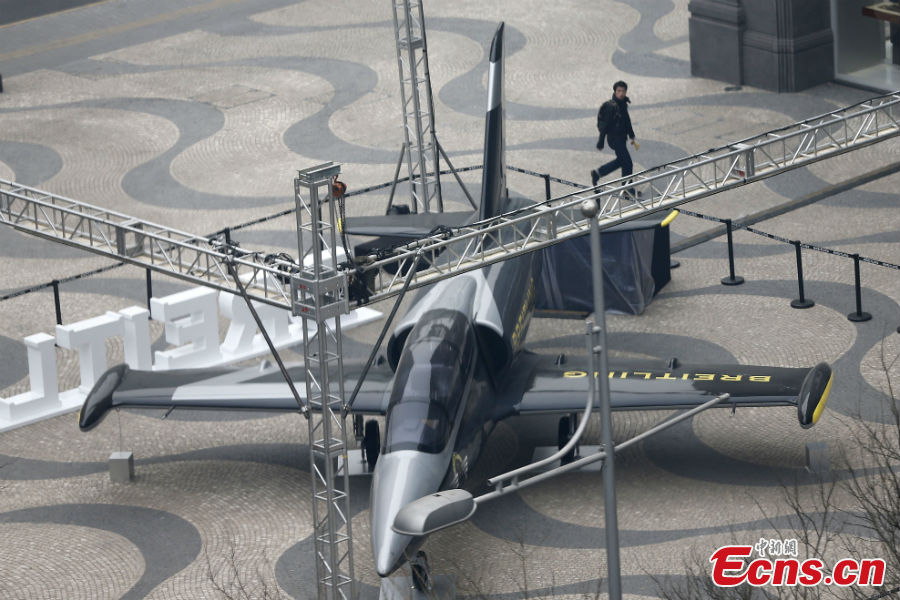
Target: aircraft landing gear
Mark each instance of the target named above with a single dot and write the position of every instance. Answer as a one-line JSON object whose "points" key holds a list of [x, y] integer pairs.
{"points": [[564, 434], [372, 443], [421, 572]]}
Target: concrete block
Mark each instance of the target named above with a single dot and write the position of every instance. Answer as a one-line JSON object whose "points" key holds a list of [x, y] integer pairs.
{"points": [[121, 467], [817, 458]]}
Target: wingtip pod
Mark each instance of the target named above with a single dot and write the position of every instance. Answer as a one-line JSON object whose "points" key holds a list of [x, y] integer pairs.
{"points": [[100, 399], [814, 394]]}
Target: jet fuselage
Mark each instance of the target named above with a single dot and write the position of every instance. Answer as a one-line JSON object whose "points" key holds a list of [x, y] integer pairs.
{"points": [[449, 352]]}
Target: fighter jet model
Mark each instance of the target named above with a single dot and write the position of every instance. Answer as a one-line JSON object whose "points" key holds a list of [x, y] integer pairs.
{"points": [[456, 366]]}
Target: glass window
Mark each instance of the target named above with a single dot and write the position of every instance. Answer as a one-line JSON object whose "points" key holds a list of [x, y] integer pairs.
{"points": [[419, 426], [429, 383]]}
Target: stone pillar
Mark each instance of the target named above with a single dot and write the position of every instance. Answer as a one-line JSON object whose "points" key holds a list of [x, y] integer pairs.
{"points": [[788, 44], [716, 30], [776, 45]]}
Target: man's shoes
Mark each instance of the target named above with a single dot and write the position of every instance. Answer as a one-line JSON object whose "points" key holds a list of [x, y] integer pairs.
{"points": [[595, 177], [635, 193]]}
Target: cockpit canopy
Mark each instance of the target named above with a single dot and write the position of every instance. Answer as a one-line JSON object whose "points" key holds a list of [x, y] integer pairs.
{"points": [[430, 382]]}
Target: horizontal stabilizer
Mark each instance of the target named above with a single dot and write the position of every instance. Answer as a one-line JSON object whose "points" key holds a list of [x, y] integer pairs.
{"points": [[410, 226]]}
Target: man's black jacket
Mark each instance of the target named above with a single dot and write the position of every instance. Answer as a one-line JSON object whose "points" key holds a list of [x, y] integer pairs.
{"points": [[613, 119]]}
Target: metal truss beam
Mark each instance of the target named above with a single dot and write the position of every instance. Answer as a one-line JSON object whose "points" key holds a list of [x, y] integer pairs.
{"points": [[143, 243], [195, 259], [654, 190]]}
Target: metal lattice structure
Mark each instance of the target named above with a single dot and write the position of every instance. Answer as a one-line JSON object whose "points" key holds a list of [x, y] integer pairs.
{"points": [[319, 293], [421, 147], [172, 252], [654, 190], [196, 259]]}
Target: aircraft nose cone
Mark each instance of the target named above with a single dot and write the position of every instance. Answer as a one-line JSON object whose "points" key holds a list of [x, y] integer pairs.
{"points": [[391, 553], [400, 478]]}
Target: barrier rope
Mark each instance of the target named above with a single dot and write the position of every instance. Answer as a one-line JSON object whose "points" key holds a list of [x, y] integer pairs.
{"points": [[779, 238], [543, 175], [58, 281]]}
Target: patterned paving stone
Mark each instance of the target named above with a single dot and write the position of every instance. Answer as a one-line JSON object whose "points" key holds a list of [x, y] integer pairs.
{"points": [[196, 114]]}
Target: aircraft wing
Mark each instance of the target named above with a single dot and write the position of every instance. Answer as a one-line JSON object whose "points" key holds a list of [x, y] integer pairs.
{"points": [[541, 384], [222, 388]]}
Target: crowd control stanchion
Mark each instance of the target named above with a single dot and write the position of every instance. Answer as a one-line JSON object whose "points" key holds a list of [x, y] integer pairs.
{"points": [[859, 316], [55, 284], [732, 279], [149, 289], [546, 177], [802, 301]]}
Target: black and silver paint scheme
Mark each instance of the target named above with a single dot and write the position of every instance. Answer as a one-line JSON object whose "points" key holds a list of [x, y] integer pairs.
{"points": [[456, 366]]}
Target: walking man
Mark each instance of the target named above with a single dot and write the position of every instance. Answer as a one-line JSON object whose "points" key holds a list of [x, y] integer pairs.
{"points": [[615, 125]]}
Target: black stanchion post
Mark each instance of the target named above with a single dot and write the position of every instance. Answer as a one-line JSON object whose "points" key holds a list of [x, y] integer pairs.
{"points": [[732, 279], [55, 284], [149, 289], [800, 302], [859, 316], [546, 186]]}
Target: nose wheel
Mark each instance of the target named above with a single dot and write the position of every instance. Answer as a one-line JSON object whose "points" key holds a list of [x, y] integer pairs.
{"points": [[564, 434], [421, 572], [372, 443]]}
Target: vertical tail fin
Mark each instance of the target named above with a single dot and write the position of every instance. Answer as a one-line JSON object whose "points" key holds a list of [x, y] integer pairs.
{"points": [[493, 186]]}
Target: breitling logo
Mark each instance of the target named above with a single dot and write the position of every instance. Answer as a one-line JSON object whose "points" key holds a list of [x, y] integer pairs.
{"points": [[524, 315], [651, 375]]}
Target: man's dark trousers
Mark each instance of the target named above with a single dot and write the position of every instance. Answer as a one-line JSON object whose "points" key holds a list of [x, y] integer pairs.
{"points": [[623, 159]]}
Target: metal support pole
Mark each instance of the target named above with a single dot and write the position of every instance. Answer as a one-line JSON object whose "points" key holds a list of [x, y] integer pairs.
{"points": [[55, 284], [547, 195], [149, 288], [456, 176], [589, 209], [859, 316], [397, 175], [800, 302], [732, 279]]}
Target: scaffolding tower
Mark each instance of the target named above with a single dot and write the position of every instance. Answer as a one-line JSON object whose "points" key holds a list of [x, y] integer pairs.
{"points": [[421, 146], [319, 293]]}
